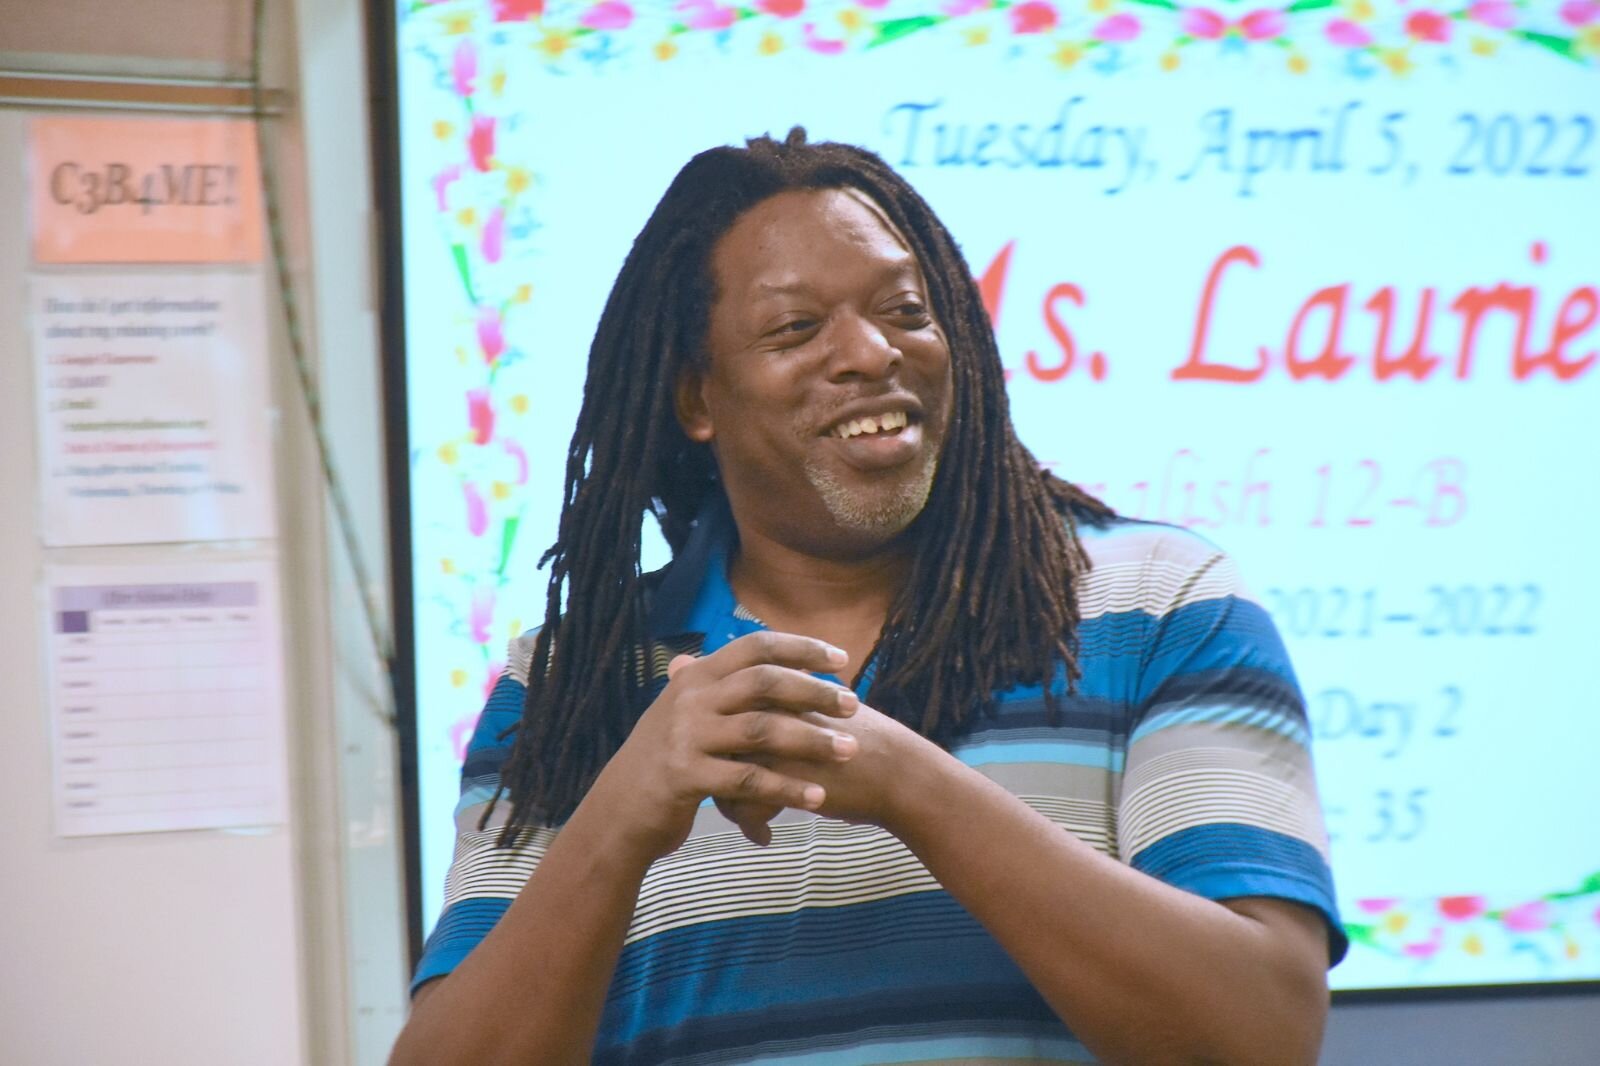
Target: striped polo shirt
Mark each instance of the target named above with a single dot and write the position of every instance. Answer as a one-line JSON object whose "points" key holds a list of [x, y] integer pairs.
{"points": [[1182, 751]]}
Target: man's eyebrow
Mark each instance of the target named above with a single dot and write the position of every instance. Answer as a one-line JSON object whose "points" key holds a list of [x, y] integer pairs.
{"points": [[791, 288], [906, 268]]}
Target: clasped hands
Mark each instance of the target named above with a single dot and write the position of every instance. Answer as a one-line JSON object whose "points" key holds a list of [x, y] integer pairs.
{"points": [[751, 726]]}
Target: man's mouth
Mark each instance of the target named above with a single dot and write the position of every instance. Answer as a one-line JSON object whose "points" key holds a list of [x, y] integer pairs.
{"points": [[889, 422], [878, 441]]}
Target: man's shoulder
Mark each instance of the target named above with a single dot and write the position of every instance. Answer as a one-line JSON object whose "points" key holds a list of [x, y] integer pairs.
{"points": [[1119, 537], [519, 656], [1153, 567]]}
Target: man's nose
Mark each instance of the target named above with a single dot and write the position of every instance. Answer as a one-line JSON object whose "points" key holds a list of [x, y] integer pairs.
{"points": [[859, 347]]}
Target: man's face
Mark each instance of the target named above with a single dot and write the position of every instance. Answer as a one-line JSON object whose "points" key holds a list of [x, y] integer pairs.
{"points": [[827, 394]]}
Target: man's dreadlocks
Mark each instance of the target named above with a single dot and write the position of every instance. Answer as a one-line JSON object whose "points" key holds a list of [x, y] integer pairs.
{"points": [[991, 596]]}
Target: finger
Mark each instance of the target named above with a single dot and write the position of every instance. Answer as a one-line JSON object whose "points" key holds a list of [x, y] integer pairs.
{"points": [[757, 833], [739, 811], [757, 784], [678, 663], [779, 649], [766, 685], [776, 734], [751, 818]]}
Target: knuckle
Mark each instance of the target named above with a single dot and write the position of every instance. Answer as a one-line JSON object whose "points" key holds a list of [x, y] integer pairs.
{"points": [[677, 761], [749, 781], [757, 728], [677, 687], [767, 680]]}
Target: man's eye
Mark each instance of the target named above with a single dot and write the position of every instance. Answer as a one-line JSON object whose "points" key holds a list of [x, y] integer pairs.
{"points": [[910, 309], [798, 325]]}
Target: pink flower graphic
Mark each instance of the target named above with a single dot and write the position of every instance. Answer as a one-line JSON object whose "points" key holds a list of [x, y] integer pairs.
{"points": [[608, 15], [441, 184], [491, 677], [491, 336], [1117, 29], [821, 45], [1265, 24], [1347, 34], [957, 8], [1527, 917], [1376, 905], [482, 613], [477, 510], [876, 5], [1461, 908], [707, 15], [1580, 12], [480, 142], [464, 67], [494, 235], [784, 9], [461, 733], [1501, 14], [480, 415], [1033, 16], [1203, 23], [517, 10], [1428, 26], [519, 457], [1425, 949]]}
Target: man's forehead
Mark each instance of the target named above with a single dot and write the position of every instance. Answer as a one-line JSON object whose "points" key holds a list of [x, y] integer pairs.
{"points": [[763, 238], [877, 211]]}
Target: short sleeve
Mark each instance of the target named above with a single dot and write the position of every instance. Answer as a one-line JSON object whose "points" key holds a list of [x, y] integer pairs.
{"points": [[484, 877], [1218, 795]]}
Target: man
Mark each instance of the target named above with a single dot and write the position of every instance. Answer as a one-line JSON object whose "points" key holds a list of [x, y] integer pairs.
{"points": [[1063, 813]]}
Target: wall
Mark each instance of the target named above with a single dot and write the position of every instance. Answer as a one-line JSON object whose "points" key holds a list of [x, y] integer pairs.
{"points": [[276, 946], [158, 947]]}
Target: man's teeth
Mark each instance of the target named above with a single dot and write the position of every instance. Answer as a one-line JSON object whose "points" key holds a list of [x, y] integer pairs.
{"points": [[884, 423]]}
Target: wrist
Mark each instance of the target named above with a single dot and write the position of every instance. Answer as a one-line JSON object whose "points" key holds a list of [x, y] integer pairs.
{"points": [[614, 833], [920, 794]]}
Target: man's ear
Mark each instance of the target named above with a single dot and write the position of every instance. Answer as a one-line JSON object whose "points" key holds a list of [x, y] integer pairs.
{"points": [[693, 413]]}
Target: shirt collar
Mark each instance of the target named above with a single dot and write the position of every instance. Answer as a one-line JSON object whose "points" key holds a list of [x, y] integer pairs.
{"points": [[694, 595]]}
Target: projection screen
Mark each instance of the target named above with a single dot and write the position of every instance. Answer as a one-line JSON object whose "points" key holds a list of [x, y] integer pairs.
{"points": [[1318, 281]]}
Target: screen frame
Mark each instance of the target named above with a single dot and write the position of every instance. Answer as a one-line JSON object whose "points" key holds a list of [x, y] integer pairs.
{"points": [[384, 100], [384, 121]]}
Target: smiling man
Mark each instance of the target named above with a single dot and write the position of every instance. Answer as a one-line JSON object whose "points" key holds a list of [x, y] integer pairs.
{"points": [[915, 753]]}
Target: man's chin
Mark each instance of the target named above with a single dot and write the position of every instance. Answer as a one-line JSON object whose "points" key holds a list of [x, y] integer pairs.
{"points": [[881, 512]]}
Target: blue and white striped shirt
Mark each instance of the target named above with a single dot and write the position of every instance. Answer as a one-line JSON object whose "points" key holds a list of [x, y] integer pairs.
{"points": [[1182, 751]]}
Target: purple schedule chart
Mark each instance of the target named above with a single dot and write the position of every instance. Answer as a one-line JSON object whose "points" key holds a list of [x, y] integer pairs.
{"points": [[166, 698]]}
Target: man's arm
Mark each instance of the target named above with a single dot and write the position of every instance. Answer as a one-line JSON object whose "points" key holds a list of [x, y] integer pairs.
{"points": [[533, 990], [1142, 972]]}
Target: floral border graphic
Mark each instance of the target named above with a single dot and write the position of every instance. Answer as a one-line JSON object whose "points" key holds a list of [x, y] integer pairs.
{"points": [[1557, 929], [1364, 37]]}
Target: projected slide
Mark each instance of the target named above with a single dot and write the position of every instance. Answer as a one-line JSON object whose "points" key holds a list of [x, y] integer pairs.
{"points": [[1320, 281]]}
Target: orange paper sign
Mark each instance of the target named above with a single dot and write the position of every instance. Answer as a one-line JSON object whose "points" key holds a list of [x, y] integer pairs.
{"points": [[144, 190]]}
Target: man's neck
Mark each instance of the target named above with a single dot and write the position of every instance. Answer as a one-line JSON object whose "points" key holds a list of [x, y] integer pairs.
{"points": [[842, 600]]}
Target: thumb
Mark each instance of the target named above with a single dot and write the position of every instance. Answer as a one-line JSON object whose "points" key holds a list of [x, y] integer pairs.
{"points": [[751, 818], [678, 663]]}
